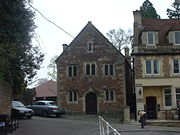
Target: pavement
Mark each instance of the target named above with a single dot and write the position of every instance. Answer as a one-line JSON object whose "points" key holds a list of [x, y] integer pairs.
{"points": [[134, 126]]}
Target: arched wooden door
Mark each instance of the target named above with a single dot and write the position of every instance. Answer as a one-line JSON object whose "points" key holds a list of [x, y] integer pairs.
{"points": [[151, 106], [91, 103]]}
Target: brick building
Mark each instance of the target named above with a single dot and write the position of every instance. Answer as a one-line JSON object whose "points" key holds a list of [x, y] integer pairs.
{"points": [[5, 99], [92, 75], [156, 53]]}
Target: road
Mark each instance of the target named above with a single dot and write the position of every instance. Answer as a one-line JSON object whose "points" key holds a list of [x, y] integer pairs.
{"points": [[66, 126], [56, 126]]}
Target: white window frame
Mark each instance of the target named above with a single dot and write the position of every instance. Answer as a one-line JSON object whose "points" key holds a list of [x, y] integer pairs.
{"points": [[72, 68], [73, 96], [90, 74], [167, 107], [152, 67], [109, 65], [147, 35], [175, 38], [109, 95], [173, 66]]}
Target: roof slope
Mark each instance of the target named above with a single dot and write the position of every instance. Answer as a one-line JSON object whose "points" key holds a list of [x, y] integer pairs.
{"points": [[47, 89], [161, 25], [88, 31]]}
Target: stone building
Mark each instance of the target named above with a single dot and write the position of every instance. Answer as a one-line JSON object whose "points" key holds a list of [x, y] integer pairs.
{"points": [[91, 75], [156, 54]]}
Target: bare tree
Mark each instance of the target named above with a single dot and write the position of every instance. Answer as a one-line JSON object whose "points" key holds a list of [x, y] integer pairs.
{"points": [[52, 70], [41, 81], [119, 37]]}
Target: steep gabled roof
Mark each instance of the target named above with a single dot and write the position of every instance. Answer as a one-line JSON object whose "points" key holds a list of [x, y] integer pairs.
{"points": [[163, 26], [79, 38], [47, 89]]}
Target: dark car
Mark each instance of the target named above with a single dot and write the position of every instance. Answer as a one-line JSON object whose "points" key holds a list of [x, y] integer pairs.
{"points": [[46, 108], [20, 111]]}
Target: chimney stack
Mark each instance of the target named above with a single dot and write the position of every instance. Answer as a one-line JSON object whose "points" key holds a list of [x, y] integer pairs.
{"points": [[137, 26], [126, 51], [137, 17], [64, 46]]}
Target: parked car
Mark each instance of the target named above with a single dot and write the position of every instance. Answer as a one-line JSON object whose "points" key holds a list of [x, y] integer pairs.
{"points": [[19, 110], [46, 108]]}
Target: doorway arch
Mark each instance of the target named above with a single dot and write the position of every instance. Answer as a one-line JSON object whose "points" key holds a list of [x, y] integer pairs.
{"points": [[91, 103]]}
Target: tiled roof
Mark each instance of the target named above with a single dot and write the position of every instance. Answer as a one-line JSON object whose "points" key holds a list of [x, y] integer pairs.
{"points": [[47, 89], [161, 25]]}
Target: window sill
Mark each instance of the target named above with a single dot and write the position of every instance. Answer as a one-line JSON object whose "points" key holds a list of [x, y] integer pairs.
{"points": [[176, 44], [108, 75], [168, 108], [90, 75], [110, 101], [73, 102], [176, 74], [151, 45], [153, 75]]}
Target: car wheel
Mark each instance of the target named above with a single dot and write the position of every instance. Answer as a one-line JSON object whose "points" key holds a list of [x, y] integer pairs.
{"points": [[29, 117], [45, 113]]}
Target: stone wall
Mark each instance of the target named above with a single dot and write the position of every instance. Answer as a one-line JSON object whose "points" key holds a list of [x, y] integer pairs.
{"points": [[103, 53], [165, 66], [5, 99]]}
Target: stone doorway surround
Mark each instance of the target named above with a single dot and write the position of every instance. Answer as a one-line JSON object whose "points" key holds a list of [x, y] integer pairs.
{"points": [[89, 95], [91, 103]]}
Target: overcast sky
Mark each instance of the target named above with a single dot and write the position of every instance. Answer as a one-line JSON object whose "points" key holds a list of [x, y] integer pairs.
{"points": [[73, 15]]}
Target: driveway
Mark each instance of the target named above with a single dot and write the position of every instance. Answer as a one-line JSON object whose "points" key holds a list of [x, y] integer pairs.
{"points": [[56, 126]]}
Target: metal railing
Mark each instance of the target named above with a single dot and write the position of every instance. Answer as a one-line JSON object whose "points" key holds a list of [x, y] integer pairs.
{"points": [[106, 128]]}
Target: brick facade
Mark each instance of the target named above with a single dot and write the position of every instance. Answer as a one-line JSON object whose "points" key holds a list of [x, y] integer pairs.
{"points": [[5, 99], [103, 53]]}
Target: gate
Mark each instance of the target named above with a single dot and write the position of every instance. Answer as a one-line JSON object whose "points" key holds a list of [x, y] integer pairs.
{"points": [[106, 128]]}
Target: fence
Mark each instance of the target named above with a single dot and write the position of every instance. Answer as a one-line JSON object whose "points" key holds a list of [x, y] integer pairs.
{"points": [[106, 128]]}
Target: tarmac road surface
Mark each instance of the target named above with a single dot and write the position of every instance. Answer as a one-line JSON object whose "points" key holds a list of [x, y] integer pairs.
{"points": [[83, 126]]}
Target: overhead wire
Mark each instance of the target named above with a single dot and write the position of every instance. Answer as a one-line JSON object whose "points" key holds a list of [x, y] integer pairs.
{"points": [[50, 20]]}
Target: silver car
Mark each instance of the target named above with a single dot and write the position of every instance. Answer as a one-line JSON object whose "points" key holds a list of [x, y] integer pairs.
{"points": [[46, 108], [19, 110]]}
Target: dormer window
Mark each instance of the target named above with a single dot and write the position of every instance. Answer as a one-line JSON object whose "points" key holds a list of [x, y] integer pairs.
{"points": [[177, 37], [90, 46], [150, 38]]}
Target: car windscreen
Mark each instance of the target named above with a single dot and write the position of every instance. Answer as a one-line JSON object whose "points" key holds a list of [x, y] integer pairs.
{"points": [[51, 103], [17, 104]]}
